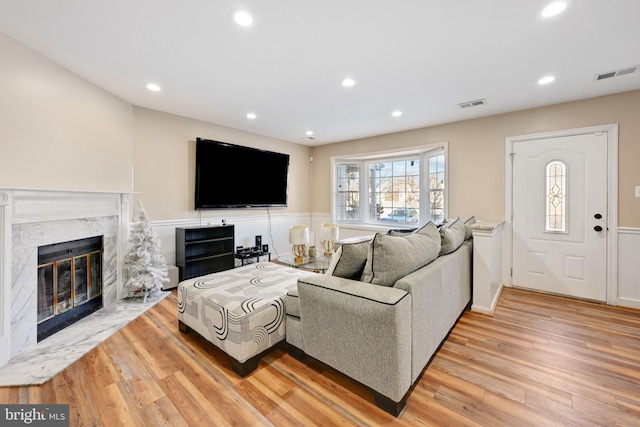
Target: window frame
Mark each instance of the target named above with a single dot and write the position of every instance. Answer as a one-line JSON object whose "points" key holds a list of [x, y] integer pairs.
{"points": [[423, 153]]}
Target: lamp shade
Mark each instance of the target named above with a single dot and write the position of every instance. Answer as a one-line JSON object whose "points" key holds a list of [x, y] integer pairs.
{"points": [[329, 231], [299, 235]]}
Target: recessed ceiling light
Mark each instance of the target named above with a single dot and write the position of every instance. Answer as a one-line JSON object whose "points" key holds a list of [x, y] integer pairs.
{"points": [[309, 133], [243, 18], [554, 9], [396, 113], [348, 82], [154, 87], [251, 116], [546, 80]]}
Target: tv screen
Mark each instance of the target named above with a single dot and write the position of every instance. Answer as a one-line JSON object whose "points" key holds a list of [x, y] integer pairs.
{"points": [[230, 176]]}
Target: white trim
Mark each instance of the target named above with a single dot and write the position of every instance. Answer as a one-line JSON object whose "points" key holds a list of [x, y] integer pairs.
{"points": [[417, 149], [492, 307], [612, 168], [203, 222], [5, 278], [629, 230], [629, 303]]}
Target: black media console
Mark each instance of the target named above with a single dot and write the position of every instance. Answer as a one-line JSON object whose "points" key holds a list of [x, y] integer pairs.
{"points": [[204, 250]]}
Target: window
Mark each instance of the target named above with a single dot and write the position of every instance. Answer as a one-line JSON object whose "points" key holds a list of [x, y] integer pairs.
{"points": [[436, 187], [348, 193], [556, 175], [394, 189]]}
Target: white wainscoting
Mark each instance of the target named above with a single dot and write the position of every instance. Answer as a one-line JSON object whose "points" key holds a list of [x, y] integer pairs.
{"points": [[273, 227], [629, 267]]}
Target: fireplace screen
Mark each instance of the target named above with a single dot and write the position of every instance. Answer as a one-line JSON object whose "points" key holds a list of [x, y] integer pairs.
{"points": [[69, 283]]}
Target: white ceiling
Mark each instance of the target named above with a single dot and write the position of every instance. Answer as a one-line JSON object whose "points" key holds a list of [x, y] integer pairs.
{"points": [[423, 57]]}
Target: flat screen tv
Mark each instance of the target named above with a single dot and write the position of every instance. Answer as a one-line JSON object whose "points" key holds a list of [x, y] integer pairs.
{"points": [[230, 176]]}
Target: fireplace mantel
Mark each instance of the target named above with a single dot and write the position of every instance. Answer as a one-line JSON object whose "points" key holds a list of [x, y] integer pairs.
{"points": [[29, 218]]}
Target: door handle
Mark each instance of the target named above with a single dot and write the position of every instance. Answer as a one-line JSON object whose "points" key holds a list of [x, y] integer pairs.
{"points": [[597, 216], [597, 228]]}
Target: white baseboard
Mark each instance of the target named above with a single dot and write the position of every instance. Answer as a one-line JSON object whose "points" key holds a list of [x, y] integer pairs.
{"points": [[492, 308]]}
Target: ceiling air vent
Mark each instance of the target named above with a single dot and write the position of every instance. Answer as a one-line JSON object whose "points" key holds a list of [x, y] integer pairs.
{"points": [[617, 73], [475, 103]]}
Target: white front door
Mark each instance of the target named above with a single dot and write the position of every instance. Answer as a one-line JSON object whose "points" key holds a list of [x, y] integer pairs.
{"points": [[560, 215]]}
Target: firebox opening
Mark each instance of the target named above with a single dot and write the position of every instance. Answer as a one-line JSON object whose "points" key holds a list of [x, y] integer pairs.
{"points": [[69, 283]]}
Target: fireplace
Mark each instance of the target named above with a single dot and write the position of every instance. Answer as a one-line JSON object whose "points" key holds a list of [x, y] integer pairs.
{"points": [[69, 283], [30, 219]]}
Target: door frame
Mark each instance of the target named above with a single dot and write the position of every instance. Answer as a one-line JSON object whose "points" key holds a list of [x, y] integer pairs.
{"points": [[612, 201]]}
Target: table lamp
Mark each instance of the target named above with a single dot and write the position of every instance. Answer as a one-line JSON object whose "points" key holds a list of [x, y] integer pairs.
{"points": [[328, 237], [299, 237]]}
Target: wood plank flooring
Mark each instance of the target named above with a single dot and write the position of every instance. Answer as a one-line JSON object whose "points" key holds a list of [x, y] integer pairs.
{"points": [[541, 360]]}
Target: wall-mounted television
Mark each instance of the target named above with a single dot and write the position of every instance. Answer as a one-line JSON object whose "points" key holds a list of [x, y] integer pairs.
{"points": [[230, 176]]}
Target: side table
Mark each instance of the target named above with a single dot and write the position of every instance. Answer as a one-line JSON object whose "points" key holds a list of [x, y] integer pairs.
{"points": [[319, 264], [249, 256]]}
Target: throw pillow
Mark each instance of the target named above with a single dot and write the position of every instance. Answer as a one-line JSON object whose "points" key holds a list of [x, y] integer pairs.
{"points": [[392, 257], [429, 229], [467, 226], [452, 235], [348, 262]]}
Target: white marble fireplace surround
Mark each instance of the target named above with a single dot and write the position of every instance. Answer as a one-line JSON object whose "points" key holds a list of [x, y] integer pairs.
{"points": [[33, 218]]}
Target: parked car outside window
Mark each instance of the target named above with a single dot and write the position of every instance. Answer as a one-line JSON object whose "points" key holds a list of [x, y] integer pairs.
{"points": [[407, 215]]}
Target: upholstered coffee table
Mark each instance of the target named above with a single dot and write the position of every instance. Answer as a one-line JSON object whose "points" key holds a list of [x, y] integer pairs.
{"points": [[241, 311]]}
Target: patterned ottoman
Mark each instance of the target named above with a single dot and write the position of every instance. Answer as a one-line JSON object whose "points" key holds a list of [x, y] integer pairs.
{"points": [[241, 310]]}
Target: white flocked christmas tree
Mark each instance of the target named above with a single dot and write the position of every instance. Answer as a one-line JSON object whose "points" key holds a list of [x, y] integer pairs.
{"points": [[146, 267]]}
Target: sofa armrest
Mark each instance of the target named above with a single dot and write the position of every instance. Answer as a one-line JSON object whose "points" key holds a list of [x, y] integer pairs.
{"points": [[360, 329]]}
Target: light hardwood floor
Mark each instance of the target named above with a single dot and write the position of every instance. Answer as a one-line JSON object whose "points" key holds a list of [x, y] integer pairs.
{"points": [[540, 360]]}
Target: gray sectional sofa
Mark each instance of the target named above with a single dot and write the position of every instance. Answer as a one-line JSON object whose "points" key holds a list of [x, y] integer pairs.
{"points": [[384, 307]]}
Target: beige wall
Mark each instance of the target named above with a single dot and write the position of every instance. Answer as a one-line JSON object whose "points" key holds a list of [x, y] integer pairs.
{"points": [[477, 153], [58, 131], [164, 158]]}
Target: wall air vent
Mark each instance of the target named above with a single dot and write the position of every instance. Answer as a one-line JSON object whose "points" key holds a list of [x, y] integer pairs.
{"points": [[617, 73], [475, 103]]}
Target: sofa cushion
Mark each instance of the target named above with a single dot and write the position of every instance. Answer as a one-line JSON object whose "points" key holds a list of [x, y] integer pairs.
{"points": [[391, 257], [348, 262], [452, 234]]}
